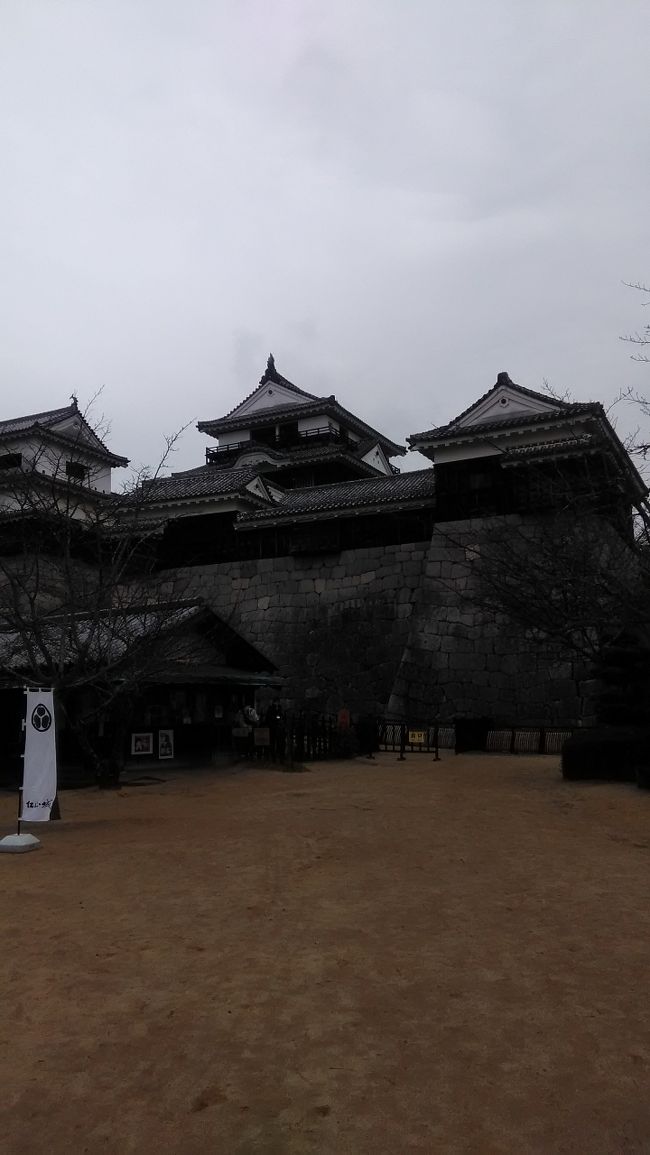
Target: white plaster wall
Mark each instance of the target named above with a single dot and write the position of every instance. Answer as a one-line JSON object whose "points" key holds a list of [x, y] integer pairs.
{"points": [[50, 460], [101, 478], [233, 436], [317, 422]]}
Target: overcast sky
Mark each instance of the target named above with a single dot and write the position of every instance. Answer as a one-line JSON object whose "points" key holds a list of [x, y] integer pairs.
{"points": [[399, 198]]}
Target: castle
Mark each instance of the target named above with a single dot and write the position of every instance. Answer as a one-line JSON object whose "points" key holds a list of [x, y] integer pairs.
{"points": [[356, 583]]}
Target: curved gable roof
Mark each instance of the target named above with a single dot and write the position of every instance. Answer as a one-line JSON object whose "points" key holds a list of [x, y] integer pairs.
{"points": [[54, 423]]}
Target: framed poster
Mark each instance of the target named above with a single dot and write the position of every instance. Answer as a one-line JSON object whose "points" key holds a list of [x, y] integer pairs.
{"points": [[165, 743], [142, 743]]}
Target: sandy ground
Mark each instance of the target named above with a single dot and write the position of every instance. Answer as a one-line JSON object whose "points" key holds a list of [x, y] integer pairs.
{"points": [[367, 958]]}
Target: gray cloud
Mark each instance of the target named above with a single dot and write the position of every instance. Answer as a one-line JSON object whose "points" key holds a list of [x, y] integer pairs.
{"points": [[399, 200]]}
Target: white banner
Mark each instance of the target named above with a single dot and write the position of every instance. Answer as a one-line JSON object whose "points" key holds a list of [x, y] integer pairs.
{"points": [[39, 774]]}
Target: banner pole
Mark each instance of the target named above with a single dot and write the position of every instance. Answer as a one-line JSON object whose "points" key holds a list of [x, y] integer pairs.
{"points": [[22, 777], [18, 843]]}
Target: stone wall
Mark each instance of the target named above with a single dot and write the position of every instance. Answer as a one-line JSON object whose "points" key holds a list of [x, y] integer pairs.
{"points": [[335, 625], [396, 629], [462, 660]]}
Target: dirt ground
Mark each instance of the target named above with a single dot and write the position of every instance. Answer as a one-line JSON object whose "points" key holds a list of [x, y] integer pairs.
{"points": [[368, 958]]}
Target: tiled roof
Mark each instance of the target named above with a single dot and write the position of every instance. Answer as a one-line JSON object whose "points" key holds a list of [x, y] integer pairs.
{"points": [[206, 481], [264, 416], [376, 491], [291, 457], [325, 453], [107, 634], [189, 472], [113, 633], [452, 429], [561, 446], [270, 374], [44, 419], [49, 419], [504, 379], [324, 405]]}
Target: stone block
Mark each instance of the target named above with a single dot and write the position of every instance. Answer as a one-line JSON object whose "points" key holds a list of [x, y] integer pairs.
{"points": [[458, 570], [247, 605], [412, 569], [564, 688], [438, 552], [467, 661]]}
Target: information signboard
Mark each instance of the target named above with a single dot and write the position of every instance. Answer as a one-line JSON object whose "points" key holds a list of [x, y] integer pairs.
{"points": [[417, 737]]}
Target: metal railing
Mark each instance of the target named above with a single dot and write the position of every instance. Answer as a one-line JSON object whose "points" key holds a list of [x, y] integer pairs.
{"points": [[419, 738], [298, 737], [307, 737], [216, 453], [410, 738], [325, 433], [322, 434]]}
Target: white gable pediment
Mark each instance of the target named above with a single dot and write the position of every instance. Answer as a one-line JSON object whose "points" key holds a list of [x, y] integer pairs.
{"points": [[258, 487], [269, 395], [78, 429], [377, 458], [506, 401]]}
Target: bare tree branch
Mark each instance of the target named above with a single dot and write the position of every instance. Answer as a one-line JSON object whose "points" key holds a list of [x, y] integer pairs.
{"points": [[81, 603]]}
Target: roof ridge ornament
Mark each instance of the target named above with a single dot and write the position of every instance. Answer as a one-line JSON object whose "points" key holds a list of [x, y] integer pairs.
{"points": [[271, 373]]}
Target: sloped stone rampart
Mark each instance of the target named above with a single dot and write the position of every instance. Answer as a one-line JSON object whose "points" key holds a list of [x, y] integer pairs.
{"points": [[463, 661]]}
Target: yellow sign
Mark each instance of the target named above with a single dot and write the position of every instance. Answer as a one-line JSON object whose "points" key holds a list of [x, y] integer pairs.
{"points": [[417, 737]]}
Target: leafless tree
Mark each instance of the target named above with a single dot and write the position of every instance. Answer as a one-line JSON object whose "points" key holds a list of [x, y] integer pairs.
{"points": [[640, 338], [573, 580], [81, 607], [577, 573]]}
